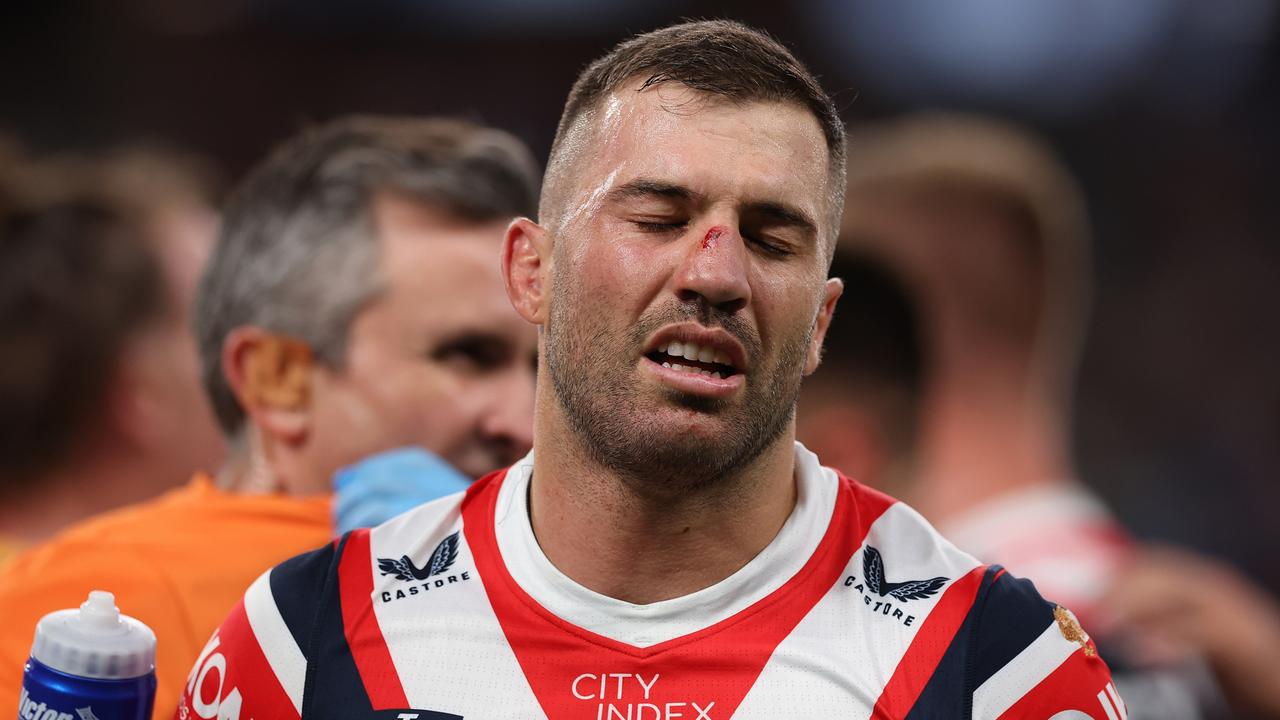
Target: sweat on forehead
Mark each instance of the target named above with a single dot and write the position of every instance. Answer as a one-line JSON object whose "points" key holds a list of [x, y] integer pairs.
{"points": [[715, 58], [671, 134]]}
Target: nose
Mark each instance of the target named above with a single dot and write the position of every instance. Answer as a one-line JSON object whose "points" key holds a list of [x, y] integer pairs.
{"points": [[713, 269], [507, 426]]}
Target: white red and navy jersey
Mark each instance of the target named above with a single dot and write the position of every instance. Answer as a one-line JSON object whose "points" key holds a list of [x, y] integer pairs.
{"points": [[857, 609]]}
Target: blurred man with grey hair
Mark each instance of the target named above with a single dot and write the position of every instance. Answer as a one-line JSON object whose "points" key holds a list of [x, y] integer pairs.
{"points": [[352, 305]]}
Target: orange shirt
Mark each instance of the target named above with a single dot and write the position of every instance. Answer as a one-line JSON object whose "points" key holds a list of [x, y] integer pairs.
{"points": [[179, 563], [9, 548]]}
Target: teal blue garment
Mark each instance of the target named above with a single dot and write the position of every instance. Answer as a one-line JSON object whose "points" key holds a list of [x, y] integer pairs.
{"points": [[382, 486]]}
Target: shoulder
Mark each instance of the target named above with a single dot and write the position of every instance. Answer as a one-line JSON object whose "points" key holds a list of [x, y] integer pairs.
{"points": [[114, 528], [255, 663], [57, 578], [1031, 657], [984, 636], [61, 573], [894, 533], [293, 620]]}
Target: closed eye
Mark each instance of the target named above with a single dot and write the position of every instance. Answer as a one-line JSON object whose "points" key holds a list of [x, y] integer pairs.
{"points": [[770, 246], [658, 227]]}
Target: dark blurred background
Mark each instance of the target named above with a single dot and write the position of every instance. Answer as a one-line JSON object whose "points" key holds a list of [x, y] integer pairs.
{"points": [[1167, 110]]}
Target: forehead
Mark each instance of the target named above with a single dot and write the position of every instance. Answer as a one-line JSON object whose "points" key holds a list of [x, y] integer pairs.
{"points": [[438, 268], [752, 150]]}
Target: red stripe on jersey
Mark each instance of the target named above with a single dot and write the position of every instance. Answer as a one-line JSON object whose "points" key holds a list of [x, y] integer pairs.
{"points": [[927, 647], [577, 674], [1080, 683], [232, 677], [360, 624]]}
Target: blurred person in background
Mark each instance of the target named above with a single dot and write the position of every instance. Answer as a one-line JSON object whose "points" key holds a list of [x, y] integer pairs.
{"points": [[351, 305], [989, 235], [1172, 604], [100, 400], [860, 410]]}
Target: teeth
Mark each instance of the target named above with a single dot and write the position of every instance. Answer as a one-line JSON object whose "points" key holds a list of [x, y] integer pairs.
{"points": [[694, 351], [693, 370]]}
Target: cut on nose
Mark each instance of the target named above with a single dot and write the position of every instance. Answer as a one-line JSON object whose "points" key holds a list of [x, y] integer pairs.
{"points": [[715, 271]]}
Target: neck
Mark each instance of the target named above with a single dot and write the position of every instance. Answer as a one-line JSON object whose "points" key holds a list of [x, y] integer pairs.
{"points": [[249, 469], [985, 434], [74, 493], [642, 548]]}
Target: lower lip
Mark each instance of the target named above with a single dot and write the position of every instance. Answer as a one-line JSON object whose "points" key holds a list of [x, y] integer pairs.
{"points": [[693, 383]]}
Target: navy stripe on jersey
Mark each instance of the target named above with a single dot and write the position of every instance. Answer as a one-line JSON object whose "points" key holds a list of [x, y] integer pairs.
{"points": [[948, 691], [1007, 616], [1013, 616], [334, 688], [295, 586]]}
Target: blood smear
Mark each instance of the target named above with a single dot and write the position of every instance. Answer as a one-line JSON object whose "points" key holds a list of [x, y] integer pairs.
{"points": [[712, 236]]}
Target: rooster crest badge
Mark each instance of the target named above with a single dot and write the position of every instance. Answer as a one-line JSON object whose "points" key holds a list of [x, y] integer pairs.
{"points": [[442, 558], [873, 569], [1070, 628]]}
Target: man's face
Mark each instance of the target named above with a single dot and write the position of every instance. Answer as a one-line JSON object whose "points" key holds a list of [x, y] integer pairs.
{"points": [[687, 281], [438, 359]]}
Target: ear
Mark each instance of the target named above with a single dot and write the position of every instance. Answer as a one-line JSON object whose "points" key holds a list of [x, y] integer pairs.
{"points": [[271, 377], [830, 294], [526, 258]]}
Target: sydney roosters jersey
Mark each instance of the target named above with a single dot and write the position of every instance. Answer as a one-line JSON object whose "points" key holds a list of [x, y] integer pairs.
{"points": [[857, 609]]}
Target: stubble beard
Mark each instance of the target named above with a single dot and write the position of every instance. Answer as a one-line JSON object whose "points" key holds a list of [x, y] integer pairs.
{"points": [[593, 373]]}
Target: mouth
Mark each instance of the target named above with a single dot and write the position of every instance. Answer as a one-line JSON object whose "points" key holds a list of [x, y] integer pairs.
{"points": [[695, 360], [691, 357]]}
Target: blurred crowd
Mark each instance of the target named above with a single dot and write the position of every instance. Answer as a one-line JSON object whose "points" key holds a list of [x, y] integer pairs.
{"points": [[201, 379]]}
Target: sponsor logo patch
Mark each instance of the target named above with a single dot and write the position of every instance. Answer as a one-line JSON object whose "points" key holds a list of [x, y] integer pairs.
{"points": [[445, 554], [874, 584], [435, 574]]}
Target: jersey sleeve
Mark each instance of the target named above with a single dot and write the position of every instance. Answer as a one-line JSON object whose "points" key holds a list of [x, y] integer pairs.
{"points": [[1032, 659], [255, 665]]}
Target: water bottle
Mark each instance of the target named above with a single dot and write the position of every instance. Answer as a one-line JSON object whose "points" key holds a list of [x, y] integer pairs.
{"points": [[90, 664]]}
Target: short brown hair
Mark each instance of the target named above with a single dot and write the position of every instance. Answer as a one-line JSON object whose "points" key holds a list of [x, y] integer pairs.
{"points": [[718, 57], [81, 274], [969, 160], [77, 279], [296, 254]]}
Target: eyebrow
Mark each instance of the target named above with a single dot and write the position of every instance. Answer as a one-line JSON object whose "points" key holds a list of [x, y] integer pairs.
{"points": [[777, 211], [784, 215], [650, 188]]}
